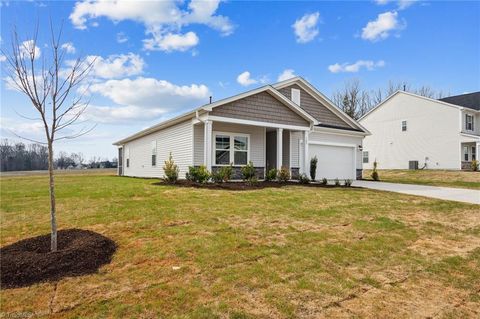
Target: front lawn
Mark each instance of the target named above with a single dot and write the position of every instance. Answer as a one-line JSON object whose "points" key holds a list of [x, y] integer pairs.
{"points": [[269, 253], [445, 178]]}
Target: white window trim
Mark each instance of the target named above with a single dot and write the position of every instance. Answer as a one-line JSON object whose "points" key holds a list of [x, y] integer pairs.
{"points": [[153, 146], [232, 147], [466, 152], [474, 153], [468, 115], [367, 157], [406, 125]]}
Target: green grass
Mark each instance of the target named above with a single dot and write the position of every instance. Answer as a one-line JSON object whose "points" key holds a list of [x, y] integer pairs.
{"points": [[270, 253], [445, 178]]}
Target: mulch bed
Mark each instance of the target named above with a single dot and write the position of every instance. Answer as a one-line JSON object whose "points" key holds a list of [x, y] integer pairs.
{"points": [[242, 186], [30, 261]]}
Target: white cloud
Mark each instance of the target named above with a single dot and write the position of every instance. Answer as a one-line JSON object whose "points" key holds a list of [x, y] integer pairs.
{"points": [[152, 93], [3, 58], [402, 4], [171, 42], [163, 20], [286, 74], [305, 28], [27, 46], [113, 66], [11, 127], [380, 28], [244, 79], [121, 114], [121, 37], [68, 47], [382, 2], [355, 67]]}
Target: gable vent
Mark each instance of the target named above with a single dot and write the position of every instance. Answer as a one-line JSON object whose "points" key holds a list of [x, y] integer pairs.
{"points": [[296, 96]]}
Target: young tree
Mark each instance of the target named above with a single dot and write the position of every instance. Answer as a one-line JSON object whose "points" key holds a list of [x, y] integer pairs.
{"points": [[54, 91]]}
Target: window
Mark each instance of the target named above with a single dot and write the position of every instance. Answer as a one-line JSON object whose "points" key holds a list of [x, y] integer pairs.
{"points": [[465, 153], [154, 153], [296, 96], [231, 148], [404, 126], [365, 157], [127, 155], [469, 122], [474, 153]]}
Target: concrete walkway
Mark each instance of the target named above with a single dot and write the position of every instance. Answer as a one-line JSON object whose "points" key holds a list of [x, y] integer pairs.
{"points": [[447, 193]]}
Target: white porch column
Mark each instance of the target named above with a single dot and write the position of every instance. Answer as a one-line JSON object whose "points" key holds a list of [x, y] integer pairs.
{"points": [[306, 160], [279, 147], [207, 147]]}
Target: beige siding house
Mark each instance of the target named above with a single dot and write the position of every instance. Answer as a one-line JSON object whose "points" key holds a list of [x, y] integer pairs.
{"points": [[280, 125]]}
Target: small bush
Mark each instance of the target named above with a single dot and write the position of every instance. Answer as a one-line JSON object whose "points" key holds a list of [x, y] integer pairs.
{"points": [[248, 172], [324, 181], [170, 170], [224, 174], [337, 182], [198, 174], [348, 182], [313, 167], [474, 165], [375, 176], [271, 175], [283, 175], [303, 179]]}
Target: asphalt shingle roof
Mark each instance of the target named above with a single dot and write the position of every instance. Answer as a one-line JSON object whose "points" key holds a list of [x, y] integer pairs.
{"points": [[470, 100]]}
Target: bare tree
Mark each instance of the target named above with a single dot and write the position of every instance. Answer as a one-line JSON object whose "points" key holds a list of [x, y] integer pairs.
{"points": [[54, 92], [352, 99]]}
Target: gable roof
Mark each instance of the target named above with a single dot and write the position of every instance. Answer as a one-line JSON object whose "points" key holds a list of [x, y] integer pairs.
{"points": [[441, 102], [323, 100], [272, 90], [470, 100]]}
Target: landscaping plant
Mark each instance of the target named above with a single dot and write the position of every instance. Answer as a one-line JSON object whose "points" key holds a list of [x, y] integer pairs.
{"points": [[474, 165], [313, 167], [324, 181], [271, 175], [283, 174], [226, 172], [248, 172], [198, 174], [303, 179], [337, 182], [348, 182], [170, 170], [375, 176]]}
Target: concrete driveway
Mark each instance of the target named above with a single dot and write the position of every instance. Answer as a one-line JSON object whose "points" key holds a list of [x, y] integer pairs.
{"points": [[456, 194]]}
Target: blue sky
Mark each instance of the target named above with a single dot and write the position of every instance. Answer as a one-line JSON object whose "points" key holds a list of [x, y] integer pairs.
{"points": [[158, 59]]}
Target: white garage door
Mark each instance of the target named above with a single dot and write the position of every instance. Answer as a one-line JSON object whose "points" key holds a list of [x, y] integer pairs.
{"points": [[333, 161]]}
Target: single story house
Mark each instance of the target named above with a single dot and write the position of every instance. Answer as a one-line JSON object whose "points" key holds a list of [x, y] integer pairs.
{"points": [[274, 126], [410, 131]]}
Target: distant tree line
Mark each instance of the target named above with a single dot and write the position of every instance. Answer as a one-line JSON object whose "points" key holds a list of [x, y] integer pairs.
{"points": [[17, 156], [356, 101]]}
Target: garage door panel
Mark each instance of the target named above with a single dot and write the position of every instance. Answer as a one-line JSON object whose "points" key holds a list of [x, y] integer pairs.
{"points": [[333, 161]]}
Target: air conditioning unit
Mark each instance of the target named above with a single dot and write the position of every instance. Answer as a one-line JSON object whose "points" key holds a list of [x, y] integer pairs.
{"points": [[412, 164]]}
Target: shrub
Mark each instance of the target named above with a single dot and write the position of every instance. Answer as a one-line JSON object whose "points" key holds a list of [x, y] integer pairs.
{"points": [[348, 182], [337, 182], [303, 179], [313, 167], [375, 176], [224, 174], [474, 165], [170, 170], [248, 172], [198, 174], [324, 181], [283, 175], [271, 175]]}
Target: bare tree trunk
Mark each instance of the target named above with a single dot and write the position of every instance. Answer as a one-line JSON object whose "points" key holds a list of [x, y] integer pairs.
{"points": [[53, 217]]}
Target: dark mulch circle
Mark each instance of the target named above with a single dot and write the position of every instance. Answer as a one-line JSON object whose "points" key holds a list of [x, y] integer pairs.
{"points": [[242, 186], [30, 261]]}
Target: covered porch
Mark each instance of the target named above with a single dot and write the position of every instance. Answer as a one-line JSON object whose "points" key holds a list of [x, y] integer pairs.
{"points": [[223, 141], [470, 151]]}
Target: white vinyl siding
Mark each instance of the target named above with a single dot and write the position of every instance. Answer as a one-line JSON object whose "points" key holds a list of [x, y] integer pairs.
{"points": [[177, 139], [295, 138], [198, 137]]}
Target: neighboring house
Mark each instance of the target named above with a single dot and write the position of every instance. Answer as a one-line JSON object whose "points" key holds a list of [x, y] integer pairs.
{"points": [[439, 134], [274, 126]]}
